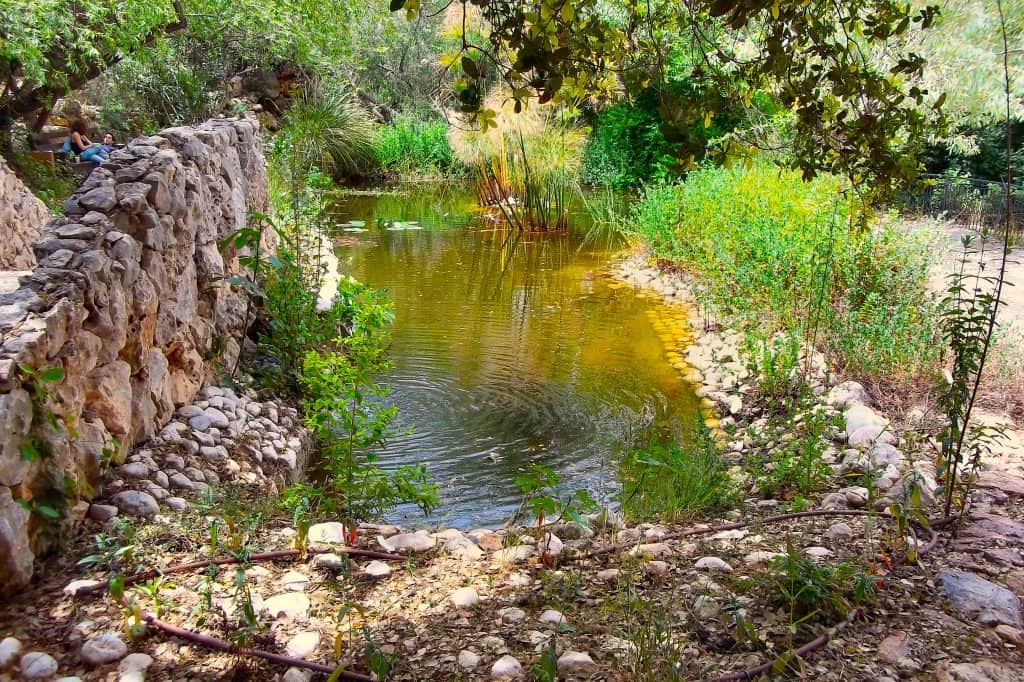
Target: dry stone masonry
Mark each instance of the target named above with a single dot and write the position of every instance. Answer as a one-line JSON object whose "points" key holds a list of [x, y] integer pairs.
{"points": [[129, 299], [22, 218]]}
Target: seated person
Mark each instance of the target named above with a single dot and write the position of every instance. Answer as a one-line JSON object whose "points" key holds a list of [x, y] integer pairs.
{"points": [[84, 148]]}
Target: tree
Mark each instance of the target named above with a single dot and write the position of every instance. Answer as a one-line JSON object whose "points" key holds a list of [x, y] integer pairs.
{"points": [[51, 47], [842, 68]]}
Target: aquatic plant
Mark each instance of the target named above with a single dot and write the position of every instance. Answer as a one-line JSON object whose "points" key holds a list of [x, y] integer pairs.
{"points": [[527, 163]]}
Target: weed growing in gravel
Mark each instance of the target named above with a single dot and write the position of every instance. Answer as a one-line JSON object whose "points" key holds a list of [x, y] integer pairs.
{"points": [[808, 590], [788, 460], [675, 483]]}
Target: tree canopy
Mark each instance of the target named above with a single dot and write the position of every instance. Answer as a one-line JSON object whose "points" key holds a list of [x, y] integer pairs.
{"points": [[844, 69]]}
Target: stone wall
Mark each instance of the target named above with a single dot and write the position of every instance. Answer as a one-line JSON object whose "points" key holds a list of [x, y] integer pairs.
{"points": [[129, 299], [22, 218]]}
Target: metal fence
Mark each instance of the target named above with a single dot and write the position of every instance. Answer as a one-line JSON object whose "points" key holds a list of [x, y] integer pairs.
{"points": [[975, 204]]}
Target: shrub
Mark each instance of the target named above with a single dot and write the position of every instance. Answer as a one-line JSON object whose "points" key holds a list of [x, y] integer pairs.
{"points": [[52, 184], [775, 253], [673, 483], [626, 147], [793, 466], [813, 591], [411, 146]]}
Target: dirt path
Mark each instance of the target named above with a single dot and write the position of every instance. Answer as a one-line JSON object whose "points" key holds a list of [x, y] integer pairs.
{"points": [[1011, 311]]}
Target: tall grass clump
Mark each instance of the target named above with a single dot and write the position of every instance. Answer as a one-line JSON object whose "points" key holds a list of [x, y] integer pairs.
{"points": [[776, 253], [526, 164], [327, 130], [412, 147]]}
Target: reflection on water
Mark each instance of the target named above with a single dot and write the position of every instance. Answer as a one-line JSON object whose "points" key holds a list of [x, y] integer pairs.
{"points": [[508, 349]]}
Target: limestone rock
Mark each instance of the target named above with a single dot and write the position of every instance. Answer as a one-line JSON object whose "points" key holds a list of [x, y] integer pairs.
{"points": [[297, 675], [135, 503], [980, 671], [464, 548], [10, 648], [847, 394], [377, 569], [133, 667], [73, 587], [651, 550], [513, 555], [15, 553], [576, 664], [103, 648], [303, 645], [550, 546], [38, 665], [512, 615], [552, 617], [102, 512], [408, 542], [839, 533], [331, 532], [464, 598], [468, 660], [290, 605], [713, 564], [981, 599], [329, 562], [507, 668]]}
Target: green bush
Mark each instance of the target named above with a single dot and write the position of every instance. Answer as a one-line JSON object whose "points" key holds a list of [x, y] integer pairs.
{"points": [[673, 483], [776, 253], [626, 147], [413, 147], [52, 184]]}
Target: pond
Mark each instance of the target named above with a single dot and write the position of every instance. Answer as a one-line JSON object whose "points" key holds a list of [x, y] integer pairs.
{"points": [[510, 349]]}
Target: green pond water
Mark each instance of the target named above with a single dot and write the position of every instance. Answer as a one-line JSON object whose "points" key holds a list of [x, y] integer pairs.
{"points": [[509, 349]]}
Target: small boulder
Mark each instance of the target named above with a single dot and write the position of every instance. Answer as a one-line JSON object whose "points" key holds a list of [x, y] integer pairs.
{"points": [[133, 667], [407, 542], [513, 555], [839, 533], [287, 605], [973, 595], [550, 546], [512, 615]]}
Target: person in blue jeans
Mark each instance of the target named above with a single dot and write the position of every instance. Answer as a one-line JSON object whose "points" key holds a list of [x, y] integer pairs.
{"points": [[85, 149]]}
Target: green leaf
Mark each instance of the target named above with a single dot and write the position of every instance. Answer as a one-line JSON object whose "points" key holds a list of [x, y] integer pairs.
{"points": [[397, 5], [470, 67], [52, 374]]}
